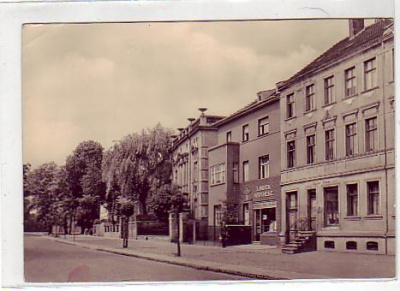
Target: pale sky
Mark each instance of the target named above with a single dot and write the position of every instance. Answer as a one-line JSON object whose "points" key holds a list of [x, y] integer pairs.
{"points": [[103, 81]]}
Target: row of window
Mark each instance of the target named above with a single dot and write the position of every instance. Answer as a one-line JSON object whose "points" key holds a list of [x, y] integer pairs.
{"points": [[263, 129], [217, 172], [371, 143], [350, 88], [352, 245], [331, 201]]}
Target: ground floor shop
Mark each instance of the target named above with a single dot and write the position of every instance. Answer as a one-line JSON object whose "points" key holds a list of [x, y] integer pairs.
{"points": [[350, 213]]}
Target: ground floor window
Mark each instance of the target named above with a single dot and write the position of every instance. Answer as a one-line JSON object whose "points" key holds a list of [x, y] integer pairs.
{"points": [[264, 221], [331, 206], [217, 215]]}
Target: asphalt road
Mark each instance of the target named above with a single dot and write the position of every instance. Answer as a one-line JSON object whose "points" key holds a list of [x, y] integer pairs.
{"points": [[49, 261]]}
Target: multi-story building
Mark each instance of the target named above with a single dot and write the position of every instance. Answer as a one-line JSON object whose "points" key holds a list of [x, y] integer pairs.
{"points": [[190, 161], [337, 140], [244, 168]]}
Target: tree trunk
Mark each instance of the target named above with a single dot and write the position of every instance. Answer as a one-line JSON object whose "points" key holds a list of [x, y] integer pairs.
{"points": [[178, 242]]}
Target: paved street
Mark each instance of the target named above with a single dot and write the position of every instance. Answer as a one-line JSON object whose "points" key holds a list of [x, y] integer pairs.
{"points": [[50, 261]]}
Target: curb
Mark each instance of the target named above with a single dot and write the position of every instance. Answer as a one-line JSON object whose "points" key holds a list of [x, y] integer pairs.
{"points": [[172, 261]]}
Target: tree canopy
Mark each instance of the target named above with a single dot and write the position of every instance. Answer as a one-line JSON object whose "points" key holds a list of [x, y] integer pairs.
{"points": [[138, 166]]}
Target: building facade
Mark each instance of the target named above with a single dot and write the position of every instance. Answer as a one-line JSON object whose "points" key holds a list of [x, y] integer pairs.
{"points": [[190, 162], [337, 141], [244, 168]]}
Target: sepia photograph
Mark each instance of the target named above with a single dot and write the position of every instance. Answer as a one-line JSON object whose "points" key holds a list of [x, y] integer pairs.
{"points": [[209, 150]]}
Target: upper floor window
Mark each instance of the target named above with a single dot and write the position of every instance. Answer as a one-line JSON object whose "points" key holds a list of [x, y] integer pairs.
{"points": [[290, 106], [350, 82], [235, 172], [311, 149], [263, 126], [291, 153], [229, 136], [310, 98], [329, 144], [329, 90], [351, 135], [217, 174], [373, 197], [195, 171], [371, 134], [245, 132], [246, 173], [263, 167], [370, 75]]}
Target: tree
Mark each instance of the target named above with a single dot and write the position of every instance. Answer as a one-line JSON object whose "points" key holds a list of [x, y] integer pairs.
{"points": [[47, 188], [230, 211], [138, 166], [83, 173]]}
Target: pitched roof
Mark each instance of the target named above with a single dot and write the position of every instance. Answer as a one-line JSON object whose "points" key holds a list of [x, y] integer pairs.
{"points": [[368, 37]]}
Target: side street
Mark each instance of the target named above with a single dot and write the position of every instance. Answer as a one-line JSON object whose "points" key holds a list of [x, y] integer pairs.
{"points": [[252, 261]]}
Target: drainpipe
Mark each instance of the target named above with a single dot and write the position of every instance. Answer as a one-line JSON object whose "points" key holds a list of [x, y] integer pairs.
{"points": [[385, 147]]}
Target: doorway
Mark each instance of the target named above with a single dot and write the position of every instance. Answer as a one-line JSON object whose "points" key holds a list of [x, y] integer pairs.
{"points": [[312, 210], [291, 215]]}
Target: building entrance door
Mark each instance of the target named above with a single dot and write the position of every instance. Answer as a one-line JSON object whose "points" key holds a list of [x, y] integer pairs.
{"points": [[312, 209], [291, 215]]}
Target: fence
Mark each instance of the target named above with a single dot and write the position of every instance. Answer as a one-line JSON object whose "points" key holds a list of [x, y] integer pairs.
{"points": [[150, 227]]}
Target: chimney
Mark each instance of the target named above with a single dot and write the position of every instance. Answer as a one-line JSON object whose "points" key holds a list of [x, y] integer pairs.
{"points": [[355, 26]]}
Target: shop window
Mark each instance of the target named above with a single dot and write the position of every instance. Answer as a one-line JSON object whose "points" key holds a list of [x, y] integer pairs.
{"points": [[329, 244], [372, 246], [351, 245]]}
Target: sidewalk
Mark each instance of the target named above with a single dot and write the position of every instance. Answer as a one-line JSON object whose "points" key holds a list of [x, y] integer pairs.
{"points": [[254, 261]]}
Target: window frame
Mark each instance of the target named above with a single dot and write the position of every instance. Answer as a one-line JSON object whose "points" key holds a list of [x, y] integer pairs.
{"points": [[350, 197], [246, 171], [372, 71], [371, 208], [228, 136], [371, 134], [263, 167], [235, 172], [329, 90], [310, 98], [263, 126], [352, 79], [290, 154], [329, 145], [310, 146], [245, 133], [350, 139], [290, 106], [218, 174]]}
